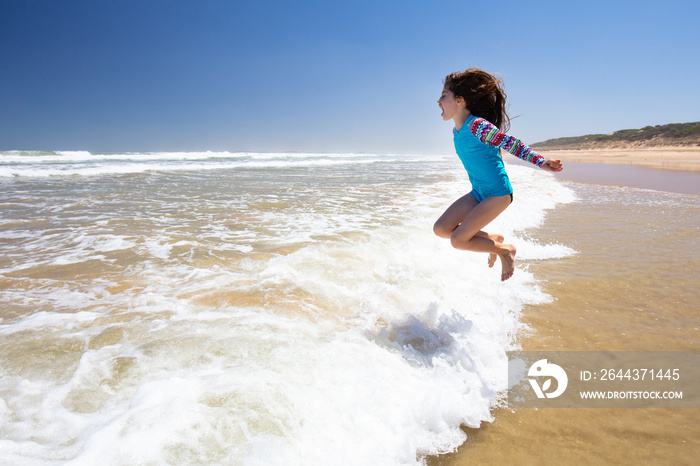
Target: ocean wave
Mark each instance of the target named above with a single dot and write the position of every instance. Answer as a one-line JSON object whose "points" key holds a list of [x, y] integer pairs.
{"points": [[81, 163], [249, 317]]}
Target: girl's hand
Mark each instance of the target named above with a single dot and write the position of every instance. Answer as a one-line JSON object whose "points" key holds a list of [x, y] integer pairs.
{"points": [[552, 166]]}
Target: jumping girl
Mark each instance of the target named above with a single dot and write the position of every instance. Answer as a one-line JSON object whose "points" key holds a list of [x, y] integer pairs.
{"points": [[475, 101]]}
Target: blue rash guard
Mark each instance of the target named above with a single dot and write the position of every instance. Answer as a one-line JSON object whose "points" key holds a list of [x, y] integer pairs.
{"points": [[477, 144]]}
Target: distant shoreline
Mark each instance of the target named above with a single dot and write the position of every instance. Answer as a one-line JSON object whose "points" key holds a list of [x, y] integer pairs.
{"points": [[649, 137]]}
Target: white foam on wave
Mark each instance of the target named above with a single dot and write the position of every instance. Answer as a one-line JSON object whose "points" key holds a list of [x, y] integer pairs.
{"points": [[43, 319], [81, 163], [372, 350]]}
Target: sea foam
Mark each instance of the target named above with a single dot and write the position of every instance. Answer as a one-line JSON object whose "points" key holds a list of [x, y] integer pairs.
{"points": [[304, 314]]}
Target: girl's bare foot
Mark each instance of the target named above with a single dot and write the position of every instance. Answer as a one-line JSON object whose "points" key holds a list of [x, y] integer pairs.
{"points": [[493, 256], [508, 262]]}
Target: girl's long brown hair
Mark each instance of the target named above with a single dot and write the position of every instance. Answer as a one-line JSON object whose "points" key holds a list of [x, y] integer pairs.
{"points": [[483, 94]]}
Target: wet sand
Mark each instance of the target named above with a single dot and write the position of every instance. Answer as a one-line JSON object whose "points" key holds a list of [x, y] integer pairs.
{"points": [[631, 169], [632, 286], [634, 176]]}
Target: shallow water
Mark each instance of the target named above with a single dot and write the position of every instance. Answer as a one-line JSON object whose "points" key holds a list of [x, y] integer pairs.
{"points": [[218, 308]]}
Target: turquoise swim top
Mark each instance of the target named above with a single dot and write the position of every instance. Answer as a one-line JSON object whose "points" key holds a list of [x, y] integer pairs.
{"points": [[477, 144]]}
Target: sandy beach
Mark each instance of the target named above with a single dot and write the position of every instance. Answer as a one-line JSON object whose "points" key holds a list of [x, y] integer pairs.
{"points": [[630, 287], [668, 158]]}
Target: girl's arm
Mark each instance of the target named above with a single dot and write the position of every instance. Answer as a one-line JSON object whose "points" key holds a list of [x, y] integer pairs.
{"points": [[489, 134]]}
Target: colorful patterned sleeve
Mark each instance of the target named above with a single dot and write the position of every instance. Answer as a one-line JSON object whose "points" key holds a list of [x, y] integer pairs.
{"points": [[489, 134]]}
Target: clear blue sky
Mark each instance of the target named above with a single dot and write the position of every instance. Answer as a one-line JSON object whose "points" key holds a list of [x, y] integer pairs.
{"points": [[336, 76]]}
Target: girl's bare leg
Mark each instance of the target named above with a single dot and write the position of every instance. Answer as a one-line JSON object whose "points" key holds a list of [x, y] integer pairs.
{"points": [[497, 238], [462, 223]]}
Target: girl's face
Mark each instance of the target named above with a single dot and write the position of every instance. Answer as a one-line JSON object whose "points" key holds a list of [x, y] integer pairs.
{"points": [[449, 104]]}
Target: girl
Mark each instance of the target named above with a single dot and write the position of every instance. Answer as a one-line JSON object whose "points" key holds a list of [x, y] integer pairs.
{"points": [[475, 101]]}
